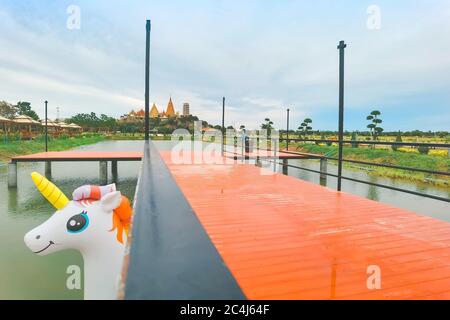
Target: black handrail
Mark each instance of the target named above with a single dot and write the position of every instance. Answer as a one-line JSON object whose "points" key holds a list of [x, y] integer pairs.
{"points": [[358, 180], [170, 253], [392, 166], [363, 181], [386, 143]]}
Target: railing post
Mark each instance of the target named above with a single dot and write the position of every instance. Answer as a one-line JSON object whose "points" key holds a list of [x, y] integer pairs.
{"points": [[341, 48], [223, 126], [323, 171], [114, 170], [285, 166], [287, 131], [147, 81]]}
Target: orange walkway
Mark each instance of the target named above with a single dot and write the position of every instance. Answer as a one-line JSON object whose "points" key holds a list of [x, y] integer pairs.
{"points": [[270, 154], [284, 238]]}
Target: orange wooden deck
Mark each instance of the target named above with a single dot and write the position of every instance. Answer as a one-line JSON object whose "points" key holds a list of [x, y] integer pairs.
{"points": [[284, 238], [79, 156], [270, 154]]}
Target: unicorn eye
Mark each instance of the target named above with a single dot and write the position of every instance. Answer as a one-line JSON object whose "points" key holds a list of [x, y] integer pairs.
{"points": [[78, 223]]}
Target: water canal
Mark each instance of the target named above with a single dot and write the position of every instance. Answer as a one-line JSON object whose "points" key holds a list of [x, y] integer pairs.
{"points": [[23, 275]]}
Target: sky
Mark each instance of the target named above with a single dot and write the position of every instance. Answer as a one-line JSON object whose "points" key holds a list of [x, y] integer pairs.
{"points": [[263, 56]]}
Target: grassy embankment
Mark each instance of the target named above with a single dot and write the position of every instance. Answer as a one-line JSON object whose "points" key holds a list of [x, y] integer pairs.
{"points": [[385, 156], [15, 148]]}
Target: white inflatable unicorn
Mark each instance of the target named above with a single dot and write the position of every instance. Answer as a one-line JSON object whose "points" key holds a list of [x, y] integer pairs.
{"points": [[95, 222]]}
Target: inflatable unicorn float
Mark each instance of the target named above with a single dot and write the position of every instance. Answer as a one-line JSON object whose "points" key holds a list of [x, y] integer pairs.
{"points": [[95, 222]]}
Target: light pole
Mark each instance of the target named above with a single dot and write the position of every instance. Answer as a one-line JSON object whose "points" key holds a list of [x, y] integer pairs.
{"points": [[341, 48], [46, 127], [147, 81]]}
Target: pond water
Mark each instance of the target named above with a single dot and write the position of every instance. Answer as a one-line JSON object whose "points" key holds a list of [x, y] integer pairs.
{"points": [[24, 275]]}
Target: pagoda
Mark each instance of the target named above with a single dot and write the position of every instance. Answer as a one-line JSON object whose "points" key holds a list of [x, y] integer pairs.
{"points": [[170, 109], [154, 111]]}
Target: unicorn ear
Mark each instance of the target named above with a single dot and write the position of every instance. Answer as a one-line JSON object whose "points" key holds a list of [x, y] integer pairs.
{"points": [[111, 201]]}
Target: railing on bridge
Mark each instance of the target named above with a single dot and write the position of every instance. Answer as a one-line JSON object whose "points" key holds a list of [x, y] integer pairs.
{"points": [[365, 163]]}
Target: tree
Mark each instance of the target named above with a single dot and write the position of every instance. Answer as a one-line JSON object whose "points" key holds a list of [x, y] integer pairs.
{"points": [[305, 127], [92, 122], [24, 108], [7, 110], [374, 125], [107, 122], [267, 125]]}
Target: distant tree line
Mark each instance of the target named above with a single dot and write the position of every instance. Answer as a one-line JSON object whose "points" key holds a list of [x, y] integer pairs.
{"points": [[10, 111]]}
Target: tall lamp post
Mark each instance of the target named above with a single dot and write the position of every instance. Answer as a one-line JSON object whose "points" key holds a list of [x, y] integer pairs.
{"points": [[147, 80], [46, 127], [341, 47]]}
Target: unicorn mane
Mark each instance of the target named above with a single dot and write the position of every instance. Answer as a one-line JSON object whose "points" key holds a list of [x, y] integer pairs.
{"points": [[121, 217]]}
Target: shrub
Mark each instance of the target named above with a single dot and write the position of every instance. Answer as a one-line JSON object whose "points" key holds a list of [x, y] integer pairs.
{"points": [[354, 138], [423, 150], [397, 139], [322, 137], [63, 136]]}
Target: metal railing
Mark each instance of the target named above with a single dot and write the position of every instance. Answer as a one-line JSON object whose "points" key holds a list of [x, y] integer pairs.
{"points": [[369, 142], [366, 163]]}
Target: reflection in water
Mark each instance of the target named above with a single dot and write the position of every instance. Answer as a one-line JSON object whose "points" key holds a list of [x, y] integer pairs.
{"points": [[372, 191], [12, 200]]}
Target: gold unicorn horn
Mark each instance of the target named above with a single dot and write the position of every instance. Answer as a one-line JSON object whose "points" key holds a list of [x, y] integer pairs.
{"points": [[51, 192]]}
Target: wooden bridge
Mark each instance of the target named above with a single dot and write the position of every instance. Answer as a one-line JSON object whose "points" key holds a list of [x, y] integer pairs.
{"points": [[237, 231], [234, 231], [74, 156]]}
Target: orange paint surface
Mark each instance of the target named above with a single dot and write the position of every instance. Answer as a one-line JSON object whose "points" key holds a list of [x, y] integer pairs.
{"points": [[268, 154], [284, 238]]}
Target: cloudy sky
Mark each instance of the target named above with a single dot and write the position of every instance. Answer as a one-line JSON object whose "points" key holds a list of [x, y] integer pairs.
{"points": [[264, 56]]}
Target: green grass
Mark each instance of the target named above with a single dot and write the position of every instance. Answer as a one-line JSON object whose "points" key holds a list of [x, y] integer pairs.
{"points": [[15, 148], [383, 156]]}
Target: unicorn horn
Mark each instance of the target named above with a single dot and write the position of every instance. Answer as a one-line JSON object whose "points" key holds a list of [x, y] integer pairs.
{"points": [[51, 192]]}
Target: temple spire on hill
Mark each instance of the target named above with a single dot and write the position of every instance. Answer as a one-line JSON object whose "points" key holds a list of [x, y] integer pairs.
{"points": [[170, 109], [154, 113]]}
